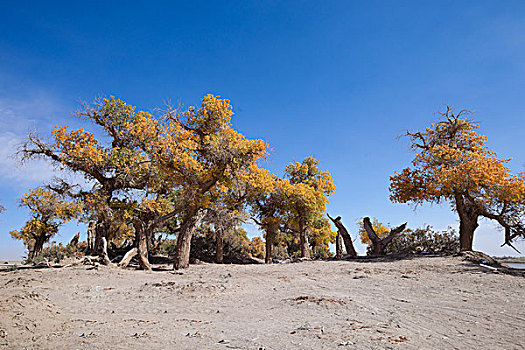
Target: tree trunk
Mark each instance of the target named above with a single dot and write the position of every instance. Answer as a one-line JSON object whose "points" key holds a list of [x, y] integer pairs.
{"points": [[378, 244], [101, 241], [104, 257], [91, 238], [182, 250], [303, 237], [338, 246], [127, 258], [269, 244], [466, 233], [347, 239], [37, 247], [142, 244], [468, 222]]}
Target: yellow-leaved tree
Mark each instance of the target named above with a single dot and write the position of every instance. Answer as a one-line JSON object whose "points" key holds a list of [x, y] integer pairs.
{"points": [[307, 194], [199, 152], [453, 163], [48, 213]]}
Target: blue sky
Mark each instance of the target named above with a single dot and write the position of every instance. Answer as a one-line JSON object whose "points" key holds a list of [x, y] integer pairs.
{"points": [[337, 80]]}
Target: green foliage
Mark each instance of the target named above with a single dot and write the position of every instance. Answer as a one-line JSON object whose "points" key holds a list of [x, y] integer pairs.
{"points": [[54, 252], [236, 245], [425, 240]]}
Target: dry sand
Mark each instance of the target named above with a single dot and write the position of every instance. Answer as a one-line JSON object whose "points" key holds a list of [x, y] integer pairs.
{"points": [[419, 303]]}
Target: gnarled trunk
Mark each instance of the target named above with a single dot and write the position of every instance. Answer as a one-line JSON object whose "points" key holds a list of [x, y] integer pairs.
{"points": [[378, 244], [142, 244], [37, 247], [338, 246], [303, 237], [104, 257], [127, 258], [101, 241], [468, 222], [182, 250], [341, 229]]}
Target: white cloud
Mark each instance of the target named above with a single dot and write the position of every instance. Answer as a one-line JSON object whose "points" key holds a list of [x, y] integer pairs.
{"points": [[29, 173], [37, 113]]}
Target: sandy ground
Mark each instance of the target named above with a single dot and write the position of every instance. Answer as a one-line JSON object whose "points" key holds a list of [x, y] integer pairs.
{"points": [[420, 303]]}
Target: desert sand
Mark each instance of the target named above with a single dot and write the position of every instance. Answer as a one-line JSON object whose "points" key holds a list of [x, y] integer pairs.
{"points": [[417, 303]]}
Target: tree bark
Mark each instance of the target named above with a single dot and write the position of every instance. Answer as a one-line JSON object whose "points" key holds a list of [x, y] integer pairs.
{"points": [[379, 245], [91, 237], [347, 239], [467, 227], [127, 258], [338, 246], [468, 222], [303, 237], [142, 244], [104, 257], [37, 247], [219, 253], [271, 233], [182, 250]]}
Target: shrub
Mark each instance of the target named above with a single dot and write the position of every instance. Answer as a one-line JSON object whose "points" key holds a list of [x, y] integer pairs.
{"points": [[425, 240]]}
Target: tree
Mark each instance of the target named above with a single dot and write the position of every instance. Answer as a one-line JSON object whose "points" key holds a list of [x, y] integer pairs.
{"points": [[453, 163], [307, 193], [48, 213], [200, 153], [267, 204], [115, 166]]}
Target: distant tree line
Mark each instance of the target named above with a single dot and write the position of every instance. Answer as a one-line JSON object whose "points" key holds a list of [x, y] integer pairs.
{"points": [[183, 183]]}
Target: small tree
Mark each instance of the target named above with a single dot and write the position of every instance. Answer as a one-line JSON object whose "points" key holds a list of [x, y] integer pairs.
{"points": [[307, 195], [453, 163], [48, 213]]}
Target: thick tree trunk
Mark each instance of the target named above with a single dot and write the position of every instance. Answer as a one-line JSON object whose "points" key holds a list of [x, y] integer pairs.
{"points": [[378, 244], [37, 247], [303, 238], [219, 253], [338, 246], [182, 250], [104, 257], [468, 222], [101, 242], [466, 233], [142, 244], [347, 239]]}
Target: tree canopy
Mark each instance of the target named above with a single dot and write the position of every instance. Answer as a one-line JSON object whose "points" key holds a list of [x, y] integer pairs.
{"points": [[48, 212], [453, 163]]}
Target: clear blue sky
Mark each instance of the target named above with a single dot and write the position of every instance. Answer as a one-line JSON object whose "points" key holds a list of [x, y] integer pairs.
{"points": [[336, 80]]}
